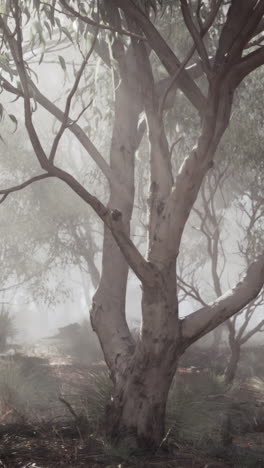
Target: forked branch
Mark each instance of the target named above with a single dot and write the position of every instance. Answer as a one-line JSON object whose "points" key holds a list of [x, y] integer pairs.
{"points": [[206, 319], [16, 188]]}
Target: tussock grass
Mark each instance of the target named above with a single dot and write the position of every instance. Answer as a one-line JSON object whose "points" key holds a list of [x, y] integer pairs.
{"points": [[27, 390], [94, 401], [198, 412]]}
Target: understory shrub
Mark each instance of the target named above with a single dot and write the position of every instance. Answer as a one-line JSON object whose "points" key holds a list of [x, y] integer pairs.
{"points": [[80, 343]]}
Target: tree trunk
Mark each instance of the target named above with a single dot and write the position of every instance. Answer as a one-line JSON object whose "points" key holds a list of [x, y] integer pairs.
{"points": [[232, 364], [136, 414], [108, 313], [3, 343], [217, 337]]}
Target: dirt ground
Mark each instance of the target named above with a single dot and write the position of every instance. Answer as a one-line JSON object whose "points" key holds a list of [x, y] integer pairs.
{"points": [[64, 445], [67, 441]]}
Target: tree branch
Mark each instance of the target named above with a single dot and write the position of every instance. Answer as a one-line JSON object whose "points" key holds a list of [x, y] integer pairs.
{"points": [[165, 54], [16, 188], [249, 63], [252, 332], [91, 22], [73, 126], [65, 123], [113, 220], [198, 41], [17, 54], [206, 319]]}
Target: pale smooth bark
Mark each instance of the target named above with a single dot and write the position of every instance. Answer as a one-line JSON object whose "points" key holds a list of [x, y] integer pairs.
{"points": [[204, 320], [108, 311]]}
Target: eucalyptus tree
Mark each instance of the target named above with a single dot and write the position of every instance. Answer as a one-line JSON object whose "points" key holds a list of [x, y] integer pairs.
{"points": [[226, 46]]}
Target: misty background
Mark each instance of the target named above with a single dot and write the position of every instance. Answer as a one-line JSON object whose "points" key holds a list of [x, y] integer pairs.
{"points": [[46, 282]]}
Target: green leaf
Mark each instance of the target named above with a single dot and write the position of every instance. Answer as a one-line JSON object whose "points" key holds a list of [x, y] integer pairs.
{"points": [[58, 23], [14, 120], [39, 31], [2, 8], [47, 25], [50, 12], [41, 58], [27, 13], [59, 26], [67, 33], [4, 64], [16, 99], [62, 63]]}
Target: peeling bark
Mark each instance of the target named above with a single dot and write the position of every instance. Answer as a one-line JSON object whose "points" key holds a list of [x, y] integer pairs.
{"points": [[136, 414]]}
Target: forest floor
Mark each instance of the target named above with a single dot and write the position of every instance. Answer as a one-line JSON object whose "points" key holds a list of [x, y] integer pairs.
{"points": [[68, 440], [65, 446]]}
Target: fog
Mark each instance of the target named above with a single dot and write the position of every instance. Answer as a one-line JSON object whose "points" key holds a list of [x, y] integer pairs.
{"points": [[43, 301], [131, 233]]}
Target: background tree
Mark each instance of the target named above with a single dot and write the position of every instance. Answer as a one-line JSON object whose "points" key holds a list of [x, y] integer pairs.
{"points": [[251, 207], [7, 328], [217, 220], [142, 372]]}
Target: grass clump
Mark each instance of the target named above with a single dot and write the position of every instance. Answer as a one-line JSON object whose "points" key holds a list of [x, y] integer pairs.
{"points": [[98, 394], [27, 390], [198, 412]]}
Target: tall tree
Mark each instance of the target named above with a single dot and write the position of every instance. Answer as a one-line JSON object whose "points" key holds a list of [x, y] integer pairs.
{"points": [[124, 35]]}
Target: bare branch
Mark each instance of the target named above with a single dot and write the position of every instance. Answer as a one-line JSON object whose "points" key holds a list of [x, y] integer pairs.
{"points": [[249, 63], [165, 54], [17, 53], [16, 188], [91, 22], [73, 126], [113, 220], [65, 123], [241, 23], [203, 30], [190, 290], [252, 332], [174, 79], [198, 41], [206, 319]]}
